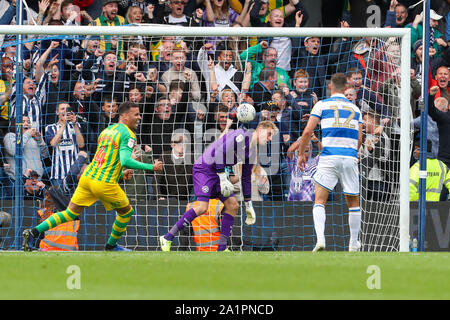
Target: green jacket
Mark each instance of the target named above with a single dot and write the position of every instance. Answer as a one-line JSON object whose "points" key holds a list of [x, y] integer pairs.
{"points": [[417, 34], [249, 54]]}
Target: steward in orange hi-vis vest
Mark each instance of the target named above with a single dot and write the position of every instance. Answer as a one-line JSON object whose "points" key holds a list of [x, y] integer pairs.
{"points": [[207, 226], [64, 236]]}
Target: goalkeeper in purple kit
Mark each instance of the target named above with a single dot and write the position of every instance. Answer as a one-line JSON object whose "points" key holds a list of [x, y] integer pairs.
{"points": [[211, 181]]}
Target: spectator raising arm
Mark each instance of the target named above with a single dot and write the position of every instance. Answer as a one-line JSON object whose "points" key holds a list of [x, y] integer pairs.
{"points": [[9, 14], [40, 69]]}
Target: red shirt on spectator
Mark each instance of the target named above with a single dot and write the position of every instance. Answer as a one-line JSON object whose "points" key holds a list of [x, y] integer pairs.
{"points": [[83, 4]]}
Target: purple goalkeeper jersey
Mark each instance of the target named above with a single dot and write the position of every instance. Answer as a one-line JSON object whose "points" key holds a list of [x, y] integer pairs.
{"points": [[232, 148], [302, 184]]}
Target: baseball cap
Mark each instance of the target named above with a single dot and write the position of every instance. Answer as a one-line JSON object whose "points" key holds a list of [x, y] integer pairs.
{"points": [[433, 15], [105, 2], [417, 45], [307, 38], [33, 174]]}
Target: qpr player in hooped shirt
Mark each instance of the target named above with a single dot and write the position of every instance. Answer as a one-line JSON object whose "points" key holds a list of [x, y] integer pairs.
{"points": [[341, 126]]}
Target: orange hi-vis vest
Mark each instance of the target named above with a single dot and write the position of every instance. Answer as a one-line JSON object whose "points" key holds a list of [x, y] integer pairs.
{"points": [[206, 227], [62, 237]]}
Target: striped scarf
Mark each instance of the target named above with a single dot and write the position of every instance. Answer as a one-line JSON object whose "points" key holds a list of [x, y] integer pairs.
{"points": [[432, 38], [105, 42]]}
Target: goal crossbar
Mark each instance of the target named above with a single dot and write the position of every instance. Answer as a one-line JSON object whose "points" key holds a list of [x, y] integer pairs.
{"points": [[158, 30]]}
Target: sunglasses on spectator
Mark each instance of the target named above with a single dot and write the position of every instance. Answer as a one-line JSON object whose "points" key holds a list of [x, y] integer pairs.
{"points": [[178, 2]]}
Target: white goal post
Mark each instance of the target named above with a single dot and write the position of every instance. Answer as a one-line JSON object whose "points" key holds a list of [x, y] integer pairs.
{"points": [[151, 30]]}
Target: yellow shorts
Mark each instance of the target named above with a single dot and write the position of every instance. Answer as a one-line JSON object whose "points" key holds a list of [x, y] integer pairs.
{"points": [[89, 191]]}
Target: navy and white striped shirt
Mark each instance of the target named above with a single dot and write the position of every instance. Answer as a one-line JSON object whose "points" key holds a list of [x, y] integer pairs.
{"points": [[65, 153], [32, 106]]}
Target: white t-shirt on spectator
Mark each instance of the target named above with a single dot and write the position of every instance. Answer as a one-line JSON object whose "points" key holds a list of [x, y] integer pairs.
{"points": [[284, 49]]}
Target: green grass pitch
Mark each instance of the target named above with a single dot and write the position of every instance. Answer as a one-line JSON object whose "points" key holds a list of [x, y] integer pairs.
{"points": [[248, 275]]}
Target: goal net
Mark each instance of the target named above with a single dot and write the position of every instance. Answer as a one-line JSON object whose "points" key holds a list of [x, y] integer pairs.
{"points": [[66, 84]]}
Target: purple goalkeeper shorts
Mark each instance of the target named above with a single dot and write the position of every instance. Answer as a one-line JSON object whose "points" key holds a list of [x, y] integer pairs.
{"points": [[207, 185]]}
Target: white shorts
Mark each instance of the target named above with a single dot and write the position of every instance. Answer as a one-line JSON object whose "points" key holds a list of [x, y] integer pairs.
{"points": [[330, 170]]}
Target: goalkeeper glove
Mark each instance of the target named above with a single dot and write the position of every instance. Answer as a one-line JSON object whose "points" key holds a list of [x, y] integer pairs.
{"points": [[250, 212], [226, 187]]}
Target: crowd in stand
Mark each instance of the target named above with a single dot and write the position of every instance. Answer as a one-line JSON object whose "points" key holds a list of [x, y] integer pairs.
{"points": [[188, 89]]}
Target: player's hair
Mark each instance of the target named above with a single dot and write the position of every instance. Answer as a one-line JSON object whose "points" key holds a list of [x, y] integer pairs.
{"points": [[339, 81], [300, 73], [267, 124], [126, 106]]}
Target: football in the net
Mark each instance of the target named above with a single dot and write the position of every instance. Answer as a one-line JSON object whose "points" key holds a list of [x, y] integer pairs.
{"points": [[245, 112]]}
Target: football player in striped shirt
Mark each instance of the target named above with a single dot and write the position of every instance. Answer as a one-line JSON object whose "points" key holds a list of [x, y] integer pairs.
{"points": [[100, 179], [341, 126]]}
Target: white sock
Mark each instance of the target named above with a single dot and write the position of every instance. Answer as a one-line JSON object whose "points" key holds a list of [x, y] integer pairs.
{"points": [[354, 222], [319, 222]]}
